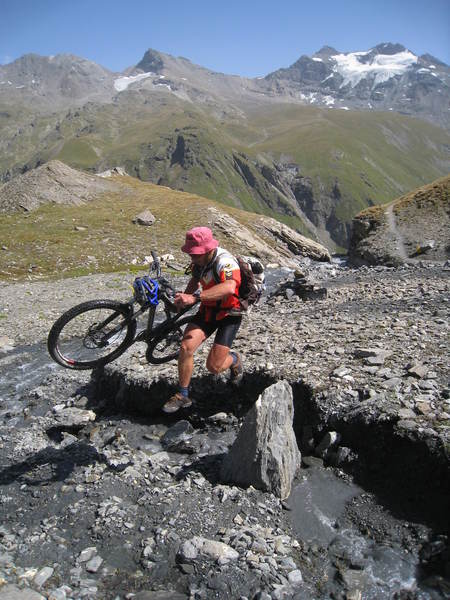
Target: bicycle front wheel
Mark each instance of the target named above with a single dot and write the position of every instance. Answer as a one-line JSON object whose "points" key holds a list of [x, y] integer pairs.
{"points": [[166, 345], [91, 334]]}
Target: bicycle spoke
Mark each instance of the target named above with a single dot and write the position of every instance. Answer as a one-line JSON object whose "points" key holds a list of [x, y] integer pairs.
{"points": [[91, 335], [166, 345]]}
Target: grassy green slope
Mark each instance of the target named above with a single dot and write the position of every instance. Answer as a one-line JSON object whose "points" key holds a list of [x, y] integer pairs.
{"points": [[434, 197], [142, 139], [57, 241], [372, 157]]}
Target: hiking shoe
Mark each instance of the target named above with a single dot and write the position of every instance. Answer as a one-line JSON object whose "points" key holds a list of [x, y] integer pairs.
{"points": [[176, 402], [236, 370]]}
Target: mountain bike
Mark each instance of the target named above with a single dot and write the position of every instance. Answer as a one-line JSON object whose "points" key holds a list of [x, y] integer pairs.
{"points": [[97, 332]]}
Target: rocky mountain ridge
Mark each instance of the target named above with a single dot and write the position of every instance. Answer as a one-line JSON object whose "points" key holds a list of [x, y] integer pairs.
{"points": [[50, 83], [386, 77]]}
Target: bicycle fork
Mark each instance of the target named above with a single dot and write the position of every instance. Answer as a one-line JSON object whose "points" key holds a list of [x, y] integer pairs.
{"points": [[115, 330]]}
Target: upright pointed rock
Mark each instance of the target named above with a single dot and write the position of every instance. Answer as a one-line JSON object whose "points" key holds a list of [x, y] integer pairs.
{"points": [[265, 453]]}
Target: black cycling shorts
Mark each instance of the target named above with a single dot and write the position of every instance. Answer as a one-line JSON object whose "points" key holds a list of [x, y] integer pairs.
{"points": [[227, 329]]}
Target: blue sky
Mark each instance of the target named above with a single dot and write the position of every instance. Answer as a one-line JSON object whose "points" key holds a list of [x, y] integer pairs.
{"points": [[249, 38]]}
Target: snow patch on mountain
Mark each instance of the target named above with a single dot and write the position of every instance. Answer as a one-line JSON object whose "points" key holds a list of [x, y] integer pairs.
{"points": [[166, 85], [122, 83], [311, 97], [381, 67]]}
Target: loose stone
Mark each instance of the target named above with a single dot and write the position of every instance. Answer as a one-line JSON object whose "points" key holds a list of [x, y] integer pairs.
{"points": [[42, 576]]}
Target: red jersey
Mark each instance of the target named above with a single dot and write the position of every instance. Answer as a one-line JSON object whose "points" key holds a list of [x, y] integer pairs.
{"points": [[222, 267]]}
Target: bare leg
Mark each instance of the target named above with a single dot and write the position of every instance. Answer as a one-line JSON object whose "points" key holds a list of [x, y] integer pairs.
{"points": [[193, 338], [219, 359]]}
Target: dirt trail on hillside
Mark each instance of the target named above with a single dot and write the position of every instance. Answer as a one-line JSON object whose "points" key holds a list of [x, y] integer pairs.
{"points": [[264, 137], [399, 244]]}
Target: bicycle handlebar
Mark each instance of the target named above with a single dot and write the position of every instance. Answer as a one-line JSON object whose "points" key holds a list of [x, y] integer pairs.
{"points": [[166, 289]]}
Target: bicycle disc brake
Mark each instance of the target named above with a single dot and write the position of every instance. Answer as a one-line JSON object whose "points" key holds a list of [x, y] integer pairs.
{"points": [[95, 338]]}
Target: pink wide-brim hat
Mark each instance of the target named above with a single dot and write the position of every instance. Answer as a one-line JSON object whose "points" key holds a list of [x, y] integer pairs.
{"points": [[199, 240]]}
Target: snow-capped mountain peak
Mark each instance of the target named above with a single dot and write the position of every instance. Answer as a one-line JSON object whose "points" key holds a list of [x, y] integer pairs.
{"points": [[386, 77], [355, 66]]}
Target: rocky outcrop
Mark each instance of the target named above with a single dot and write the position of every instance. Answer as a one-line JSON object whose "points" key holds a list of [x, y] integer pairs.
{"points": [[229, 228], [152, 61], [315, 205], [265, 453], [293, 241], [273, 242], [414, 226], [55, 183]]}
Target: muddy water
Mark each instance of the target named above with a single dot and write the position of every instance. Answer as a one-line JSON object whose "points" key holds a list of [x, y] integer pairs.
{"points": [[317, 502]]}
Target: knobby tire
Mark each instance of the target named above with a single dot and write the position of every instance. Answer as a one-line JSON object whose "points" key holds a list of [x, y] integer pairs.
{"points": [[166, 346], [60, 349]]}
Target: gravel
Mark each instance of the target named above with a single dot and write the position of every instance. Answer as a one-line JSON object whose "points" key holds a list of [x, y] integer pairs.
{"points": [[93, 505]]}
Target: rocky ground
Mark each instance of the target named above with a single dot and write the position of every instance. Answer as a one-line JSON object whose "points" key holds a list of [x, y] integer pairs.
{"points": [[101, 496]]}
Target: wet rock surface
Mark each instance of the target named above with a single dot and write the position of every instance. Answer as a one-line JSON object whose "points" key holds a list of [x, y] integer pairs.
{"points": [[103, 496]]}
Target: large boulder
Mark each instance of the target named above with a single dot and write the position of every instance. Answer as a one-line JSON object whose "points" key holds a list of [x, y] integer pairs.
{"points": [[265, 453], [201, 548], [144, 218]]}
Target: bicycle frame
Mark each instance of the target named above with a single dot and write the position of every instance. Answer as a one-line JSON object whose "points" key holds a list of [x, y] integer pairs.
{"points": [[150, 331], [104, 340]]}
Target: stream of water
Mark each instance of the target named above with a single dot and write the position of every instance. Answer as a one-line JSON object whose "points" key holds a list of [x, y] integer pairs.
{"points": [[379, 570], [21, 370]]}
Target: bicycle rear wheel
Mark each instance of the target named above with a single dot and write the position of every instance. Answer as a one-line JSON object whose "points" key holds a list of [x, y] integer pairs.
{"points": [[166, 345], [91, 334]]}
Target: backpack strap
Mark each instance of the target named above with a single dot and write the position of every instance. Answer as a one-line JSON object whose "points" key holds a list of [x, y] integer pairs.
{"points": [[215, 309], [217, 278], [215, 271]]}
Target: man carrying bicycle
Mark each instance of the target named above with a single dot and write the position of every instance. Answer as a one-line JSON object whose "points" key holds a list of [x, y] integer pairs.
{"points": [[215, 283]]}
